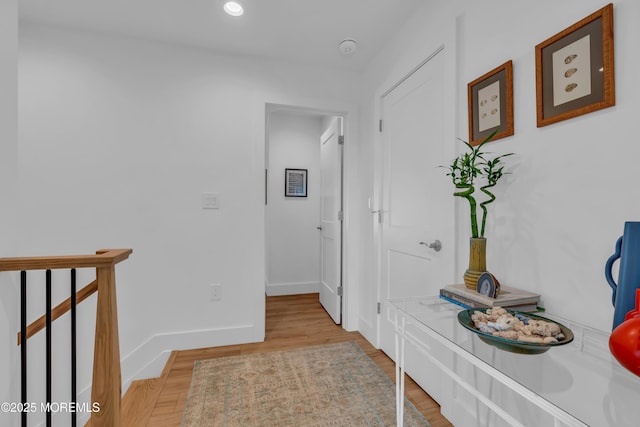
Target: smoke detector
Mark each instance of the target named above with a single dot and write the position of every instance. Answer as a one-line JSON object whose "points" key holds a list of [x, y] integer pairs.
{"points": [[347, 46]]}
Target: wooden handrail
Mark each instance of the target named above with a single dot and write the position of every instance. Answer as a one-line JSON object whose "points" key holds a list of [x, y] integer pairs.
{"points": [[106, 388], [102, 258], [60, 309]]}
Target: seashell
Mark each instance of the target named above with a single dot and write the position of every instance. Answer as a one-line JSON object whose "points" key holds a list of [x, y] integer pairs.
{"points": [[483, 102], [570, 87], [523, 319], [570, 72], [504, 323], [484, 327], [494, 111], [498, 322], [497, 311], [569, 59], [484, 115], [494, 97]]}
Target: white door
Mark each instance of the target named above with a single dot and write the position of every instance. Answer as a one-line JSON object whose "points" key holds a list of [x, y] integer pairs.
{"points": [[417, 206], [331, 220]]}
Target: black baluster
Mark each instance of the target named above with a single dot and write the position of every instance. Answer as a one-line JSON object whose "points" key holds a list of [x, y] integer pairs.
{"points": [[23, 344], [74, 397], [48, 320]]}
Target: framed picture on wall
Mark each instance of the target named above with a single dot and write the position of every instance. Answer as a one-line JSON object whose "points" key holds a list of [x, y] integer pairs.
{"points": [[574, 69], [490, 99], [295, 182]]}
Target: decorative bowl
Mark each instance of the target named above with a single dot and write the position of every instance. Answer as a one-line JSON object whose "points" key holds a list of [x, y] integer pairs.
{"points": [[513, 346]]}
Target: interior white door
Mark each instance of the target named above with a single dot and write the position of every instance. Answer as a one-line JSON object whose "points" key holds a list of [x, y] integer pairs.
{"points": [[417, 208], [331, 220]]}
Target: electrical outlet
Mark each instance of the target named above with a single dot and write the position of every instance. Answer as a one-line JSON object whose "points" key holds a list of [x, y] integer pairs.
{"points": [[210, 201], [215, 292]]}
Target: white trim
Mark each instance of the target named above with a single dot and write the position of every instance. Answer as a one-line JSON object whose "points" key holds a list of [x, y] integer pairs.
{"points": [[275, 289], [349, 113], [150, 357], [413, 71]]}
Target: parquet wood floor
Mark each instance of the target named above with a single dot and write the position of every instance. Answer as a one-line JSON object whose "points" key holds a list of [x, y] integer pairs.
{"points": [[292, 321]]}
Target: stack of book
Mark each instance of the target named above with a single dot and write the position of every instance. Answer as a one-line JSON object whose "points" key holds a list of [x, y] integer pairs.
{"points": [[509, 298]]}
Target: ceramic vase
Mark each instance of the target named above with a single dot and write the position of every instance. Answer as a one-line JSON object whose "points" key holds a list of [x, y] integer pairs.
{"points": [[628, 251], [477, 261], [624, 342]]}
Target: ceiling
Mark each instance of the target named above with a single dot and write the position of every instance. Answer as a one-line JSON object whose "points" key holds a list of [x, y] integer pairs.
{"points": [[303, 31]]}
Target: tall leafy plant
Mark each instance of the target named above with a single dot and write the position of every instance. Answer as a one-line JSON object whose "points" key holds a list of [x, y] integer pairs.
{"points": [[471, 171]]}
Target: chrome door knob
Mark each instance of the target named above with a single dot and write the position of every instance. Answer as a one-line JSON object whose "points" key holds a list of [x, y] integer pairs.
{"points": [[436, 246]]}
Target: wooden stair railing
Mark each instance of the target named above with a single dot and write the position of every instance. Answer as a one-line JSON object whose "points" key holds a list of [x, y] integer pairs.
{"points": [[106, 388]]}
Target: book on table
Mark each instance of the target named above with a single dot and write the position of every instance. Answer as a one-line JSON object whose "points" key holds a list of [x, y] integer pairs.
{"points": [[509, 298], [465, 303]]}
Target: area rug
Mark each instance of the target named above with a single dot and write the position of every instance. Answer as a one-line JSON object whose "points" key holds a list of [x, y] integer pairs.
{"points": [[327, 385]]}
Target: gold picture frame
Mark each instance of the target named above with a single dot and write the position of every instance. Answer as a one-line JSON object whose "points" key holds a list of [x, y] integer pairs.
{"points": [[575, 69], [490, 99]]}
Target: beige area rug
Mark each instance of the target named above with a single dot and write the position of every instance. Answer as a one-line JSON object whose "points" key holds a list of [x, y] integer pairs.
{"points": [[327, 385]]}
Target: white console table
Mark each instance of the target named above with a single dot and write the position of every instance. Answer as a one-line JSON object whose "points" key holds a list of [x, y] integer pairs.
{"points": [[576, 384]]}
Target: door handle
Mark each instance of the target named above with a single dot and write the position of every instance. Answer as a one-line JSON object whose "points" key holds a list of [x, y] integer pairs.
{"points": [[436, 246], [319, 228], [379, 212]]}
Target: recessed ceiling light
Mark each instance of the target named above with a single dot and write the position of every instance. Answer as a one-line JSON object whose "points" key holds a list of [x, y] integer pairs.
{"points": [[233, 8]]}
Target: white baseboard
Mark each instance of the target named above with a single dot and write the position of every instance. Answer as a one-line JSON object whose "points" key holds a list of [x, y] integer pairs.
{"points": [[368, 331], [148, 360], [276, 289]]}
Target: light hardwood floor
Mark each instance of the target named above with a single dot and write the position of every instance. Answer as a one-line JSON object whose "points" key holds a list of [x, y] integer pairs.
{"points": [[292, 322]]}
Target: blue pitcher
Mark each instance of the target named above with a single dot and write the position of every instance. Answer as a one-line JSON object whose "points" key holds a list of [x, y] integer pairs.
{"points": [[624, 292]]}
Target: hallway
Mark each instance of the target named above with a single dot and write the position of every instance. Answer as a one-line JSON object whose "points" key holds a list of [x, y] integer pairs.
{"points": [[292, 321]]}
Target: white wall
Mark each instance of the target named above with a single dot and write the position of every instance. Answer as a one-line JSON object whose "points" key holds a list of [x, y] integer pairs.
{"points": [[9, 325], [119, 138], [572, 184], [293, 242]]}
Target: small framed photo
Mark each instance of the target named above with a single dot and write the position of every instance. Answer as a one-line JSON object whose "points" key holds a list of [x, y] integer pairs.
{"points": [[490, 100], [574, 69], [295, 182]]}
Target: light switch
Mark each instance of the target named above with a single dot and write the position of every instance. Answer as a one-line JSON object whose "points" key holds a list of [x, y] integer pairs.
{"points": [[210, 201]]}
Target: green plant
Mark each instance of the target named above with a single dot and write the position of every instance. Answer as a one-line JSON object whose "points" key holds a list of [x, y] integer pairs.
{"points": [[473, 170]]}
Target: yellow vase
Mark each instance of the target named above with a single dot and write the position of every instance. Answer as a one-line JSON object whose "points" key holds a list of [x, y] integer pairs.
{"points": [[477, 261]]}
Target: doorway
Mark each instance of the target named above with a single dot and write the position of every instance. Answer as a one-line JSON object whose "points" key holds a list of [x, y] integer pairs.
{"points": [[304, 233]]}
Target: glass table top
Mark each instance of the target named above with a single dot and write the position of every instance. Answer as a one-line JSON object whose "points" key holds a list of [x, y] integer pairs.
{"points": [[581, 377]]}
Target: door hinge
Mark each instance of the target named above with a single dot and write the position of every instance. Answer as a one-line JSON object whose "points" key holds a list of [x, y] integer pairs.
{"points": [[341, 140], [340, 290], [340, 215], [380, 125], [379, 308]]}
